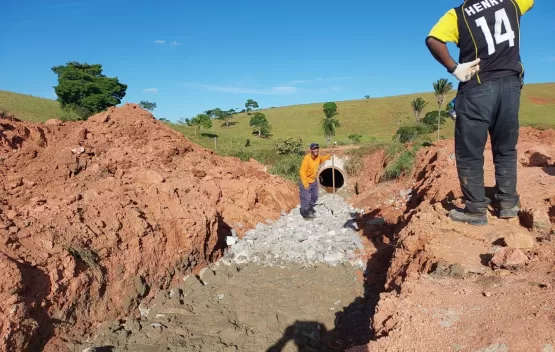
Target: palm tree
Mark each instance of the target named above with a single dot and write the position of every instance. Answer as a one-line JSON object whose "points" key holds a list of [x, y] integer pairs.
{"points": [[418, 106], [329, 125], [441, 88]]}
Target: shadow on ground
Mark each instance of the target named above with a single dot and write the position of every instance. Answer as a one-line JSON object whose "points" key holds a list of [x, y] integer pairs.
{"points": [[353, 325]]}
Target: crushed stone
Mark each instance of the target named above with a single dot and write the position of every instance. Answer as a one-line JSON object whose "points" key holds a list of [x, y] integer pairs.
{"points": [[332, 238]]}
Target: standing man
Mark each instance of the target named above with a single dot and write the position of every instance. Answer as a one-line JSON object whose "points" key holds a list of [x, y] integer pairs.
{"points": [[308, 185], [490, 72]]}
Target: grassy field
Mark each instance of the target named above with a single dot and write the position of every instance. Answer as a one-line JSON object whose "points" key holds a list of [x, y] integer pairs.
{"points": [[376, 119], [28, 107]]}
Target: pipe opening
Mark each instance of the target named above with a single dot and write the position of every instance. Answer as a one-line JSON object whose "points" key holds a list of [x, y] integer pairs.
{"points": [[326, 179]]}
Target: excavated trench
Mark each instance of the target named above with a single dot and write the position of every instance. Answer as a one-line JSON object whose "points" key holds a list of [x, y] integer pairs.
{"points": [[259, 297]]}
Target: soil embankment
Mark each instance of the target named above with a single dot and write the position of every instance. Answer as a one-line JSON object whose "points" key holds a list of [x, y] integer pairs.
{"points": [[457, 287], [96, 215]]}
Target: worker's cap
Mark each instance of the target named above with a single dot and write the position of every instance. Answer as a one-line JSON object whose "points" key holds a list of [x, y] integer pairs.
{"points": [[314, 146]]}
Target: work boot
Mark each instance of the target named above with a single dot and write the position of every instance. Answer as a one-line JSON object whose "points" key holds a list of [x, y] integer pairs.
{"points": [[509, 213], [461, 215], [312, 211], [307, 215]]}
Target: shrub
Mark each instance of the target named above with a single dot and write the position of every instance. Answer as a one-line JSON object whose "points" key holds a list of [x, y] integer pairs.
{"points": [[400, 166], [431, 118], [288, 167], [354, 165], [410, 133], [289, 146], [355, 138]]}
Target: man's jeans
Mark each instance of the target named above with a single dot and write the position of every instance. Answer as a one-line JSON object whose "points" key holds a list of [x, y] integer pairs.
{"points": [[492, 106], [309, 196]]}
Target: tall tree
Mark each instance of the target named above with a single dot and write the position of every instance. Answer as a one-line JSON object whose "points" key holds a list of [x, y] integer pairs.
{"points": [[260, 124], [418, 106], [84, 89], [329, 122], [147, 105], [200, 121], [250, 105], [330, 109], [441, 88]]}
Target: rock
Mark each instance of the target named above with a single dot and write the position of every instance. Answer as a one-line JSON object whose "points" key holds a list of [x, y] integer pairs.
{"points": [[53, 122], [229, 240], [509, 258], [335, 257], [536, 157], [519, 240], [11, 214], [535, 219], [198, 173]]}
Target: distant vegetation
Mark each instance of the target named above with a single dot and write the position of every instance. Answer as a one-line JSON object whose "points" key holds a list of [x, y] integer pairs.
{"points": [[282, 134], [147, 105], [83, 89]]}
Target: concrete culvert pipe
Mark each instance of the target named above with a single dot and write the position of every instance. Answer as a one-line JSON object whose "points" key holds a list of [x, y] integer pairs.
{"points": [[327, 173]]}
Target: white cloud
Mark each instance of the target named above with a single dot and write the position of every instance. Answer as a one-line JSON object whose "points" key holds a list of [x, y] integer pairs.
{"points": [[150, 90], [278, 90], [175, 43], [159, 41]]}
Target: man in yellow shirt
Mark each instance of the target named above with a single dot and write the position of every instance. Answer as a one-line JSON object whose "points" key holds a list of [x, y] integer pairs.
{"points": [[490, 74], [309, 185]]}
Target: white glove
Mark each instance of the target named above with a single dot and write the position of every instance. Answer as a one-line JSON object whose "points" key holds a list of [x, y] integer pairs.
{"points": [[464, 72]]}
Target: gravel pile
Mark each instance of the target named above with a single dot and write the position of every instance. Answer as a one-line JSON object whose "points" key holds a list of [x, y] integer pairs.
{"points": [[331, 238]]}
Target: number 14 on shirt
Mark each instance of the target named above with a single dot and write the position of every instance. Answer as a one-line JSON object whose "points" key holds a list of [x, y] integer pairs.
{"points": [[501, 19]]}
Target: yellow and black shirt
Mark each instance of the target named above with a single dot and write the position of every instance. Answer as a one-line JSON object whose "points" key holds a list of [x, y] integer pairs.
{"points": [[485, 29]]}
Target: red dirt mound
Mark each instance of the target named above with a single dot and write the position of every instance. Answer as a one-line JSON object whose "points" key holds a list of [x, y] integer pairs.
{"points": [[95, 215]]}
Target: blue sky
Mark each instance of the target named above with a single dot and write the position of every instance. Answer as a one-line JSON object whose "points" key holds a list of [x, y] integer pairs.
{"points": [[189, 56]]}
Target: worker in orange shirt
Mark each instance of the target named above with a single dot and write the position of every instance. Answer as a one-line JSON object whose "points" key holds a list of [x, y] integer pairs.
{"points": [[309, 185]]}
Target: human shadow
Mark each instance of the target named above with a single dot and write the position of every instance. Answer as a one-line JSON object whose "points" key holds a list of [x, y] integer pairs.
{"points": [[550, 170], [353, 325]]}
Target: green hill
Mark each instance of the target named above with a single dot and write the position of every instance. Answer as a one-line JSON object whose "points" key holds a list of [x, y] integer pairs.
{"points": [[28, 107], [374, 119]]}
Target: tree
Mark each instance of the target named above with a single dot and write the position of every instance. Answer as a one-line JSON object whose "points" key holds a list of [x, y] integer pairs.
{"points": [[431, 118], [84, 89], [366, 97], [260, 124], [251, 104], [441, 88], [329, 123], [330, 109], [147, 105], [226, 116], [418, 106], [200, 121]]}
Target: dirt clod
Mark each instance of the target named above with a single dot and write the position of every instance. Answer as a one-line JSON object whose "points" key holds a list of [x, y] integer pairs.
{"points": [[520, 240]]}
